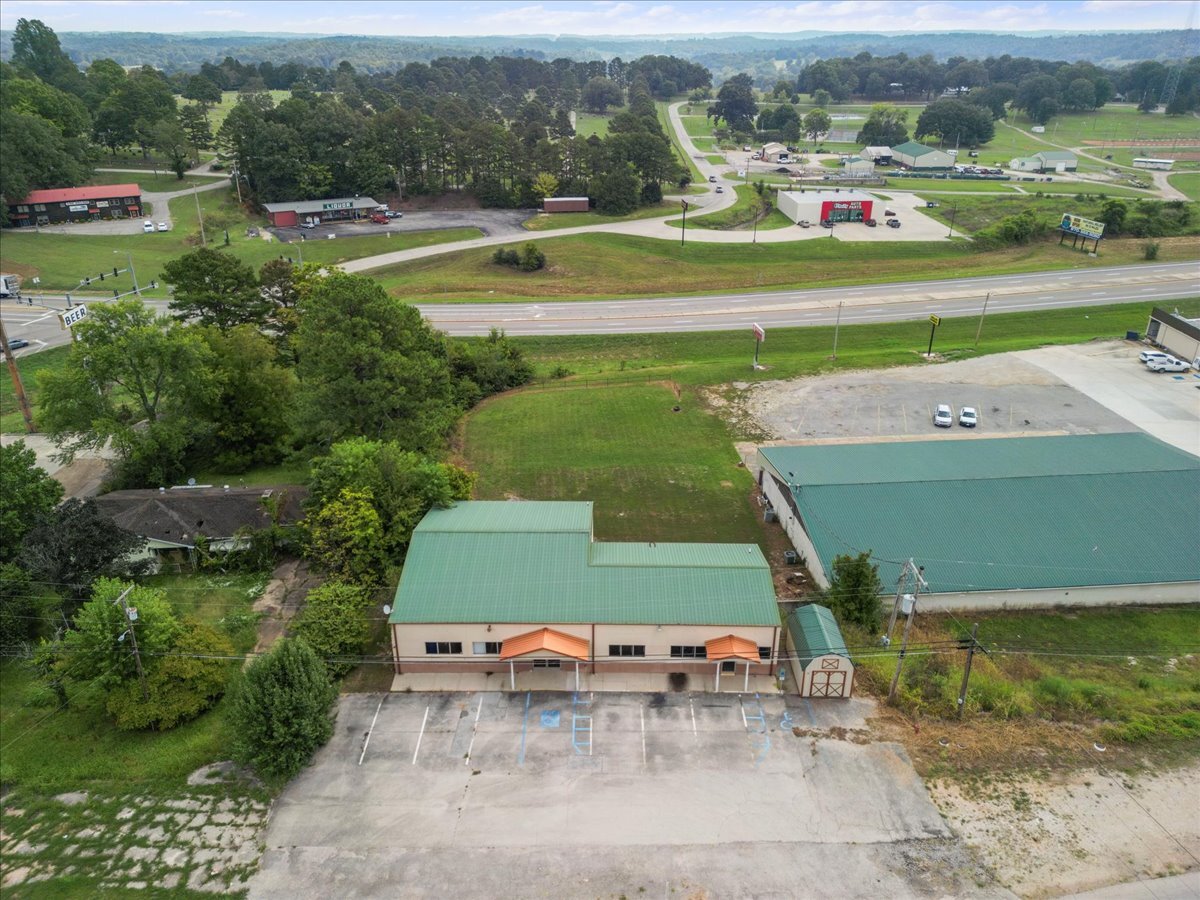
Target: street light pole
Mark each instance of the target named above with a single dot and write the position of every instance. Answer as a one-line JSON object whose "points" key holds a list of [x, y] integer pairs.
{"points": [[979, 330], [200, 216], [953, 216], [129, 260], [837, 327]]}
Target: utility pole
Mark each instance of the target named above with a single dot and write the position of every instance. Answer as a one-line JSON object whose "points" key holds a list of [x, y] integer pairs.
{"points": [[962, 691], [979, 330], [200, 216], [912, 612], [131, 617], [953, 218], [132, 273], [18, 386], [237, 184], [837, 325], [683, 228]]}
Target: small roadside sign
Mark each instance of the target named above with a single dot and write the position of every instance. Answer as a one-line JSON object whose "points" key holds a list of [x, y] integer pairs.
{"points": [[741, 173], [935, 320], [684, 204], [72, 316], [759, 333]]}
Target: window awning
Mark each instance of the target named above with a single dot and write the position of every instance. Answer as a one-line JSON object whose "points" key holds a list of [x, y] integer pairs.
{"points": [[731, 647], [546, 639]]}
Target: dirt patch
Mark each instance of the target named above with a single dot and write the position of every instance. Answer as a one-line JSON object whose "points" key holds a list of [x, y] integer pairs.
{"points": [[445, 201], [281, 600], [1066, 833], [82, 477]]}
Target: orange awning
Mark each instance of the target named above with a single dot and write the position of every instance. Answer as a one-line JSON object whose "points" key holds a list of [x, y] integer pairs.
{"points": [[545, 639], [731, 647]]}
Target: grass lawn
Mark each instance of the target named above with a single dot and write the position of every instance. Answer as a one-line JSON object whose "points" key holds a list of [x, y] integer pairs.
{"points": [[654, 474], [945, 184], [553, 221], [150, 182], [595, 266], [587, 124], [229, 99], [716, 159], [664, 119], [1189, 183], [738, 217], [972, 213], [262, 476], [62, 260]]}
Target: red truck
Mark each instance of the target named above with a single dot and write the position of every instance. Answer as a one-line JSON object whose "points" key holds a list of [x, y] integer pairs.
{"points": [[378, 219]]}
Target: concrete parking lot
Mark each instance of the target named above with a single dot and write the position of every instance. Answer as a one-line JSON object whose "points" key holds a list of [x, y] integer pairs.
{"points": [[509, 794], [1093, 388]]}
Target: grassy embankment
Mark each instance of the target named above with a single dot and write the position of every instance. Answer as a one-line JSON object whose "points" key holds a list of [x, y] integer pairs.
{"points": [[595, 266], [62, 260], [739, 216], [1188, 182], [972, 213], [149, 182], [555, 221], [664, 119]]}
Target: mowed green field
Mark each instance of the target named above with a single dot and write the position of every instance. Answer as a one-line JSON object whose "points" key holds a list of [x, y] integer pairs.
{"points": [[62, 260], [1189, 183], [229, 99], [149, 182], [596, 266], [587, 124], [654, 474]]}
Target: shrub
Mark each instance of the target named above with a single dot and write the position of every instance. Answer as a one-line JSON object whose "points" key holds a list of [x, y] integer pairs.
{"points": [[853, 592], [532, 258], [181, 685], [346, 537], [334, 623], [282, 713], [1150, 250], [506, 257]]}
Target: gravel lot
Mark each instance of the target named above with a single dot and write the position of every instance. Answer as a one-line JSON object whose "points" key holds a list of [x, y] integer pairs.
{"points": [[686, 795], [492, 222], [1090, 388]]}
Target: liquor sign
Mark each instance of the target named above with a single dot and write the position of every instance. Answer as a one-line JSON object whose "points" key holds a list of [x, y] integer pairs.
{"points": [[1088, 228], [340, 204], [72, 316]]}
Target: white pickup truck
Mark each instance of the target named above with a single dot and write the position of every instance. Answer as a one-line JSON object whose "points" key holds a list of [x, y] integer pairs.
{"points": [[1166, 364]]}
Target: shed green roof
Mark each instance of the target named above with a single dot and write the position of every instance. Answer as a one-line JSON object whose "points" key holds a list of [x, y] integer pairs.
{"points": [[815, 632], [1003, 513], [912, 148], [536, 562]]}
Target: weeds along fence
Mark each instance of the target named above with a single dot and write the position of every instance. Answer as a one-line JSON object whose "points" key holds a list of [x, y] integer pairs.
{"points": [[577, 382]]}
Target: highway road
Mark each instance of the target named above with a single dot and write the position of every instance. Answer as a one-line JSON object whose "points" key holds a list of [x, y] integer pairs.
{"points": [[892, 302]]}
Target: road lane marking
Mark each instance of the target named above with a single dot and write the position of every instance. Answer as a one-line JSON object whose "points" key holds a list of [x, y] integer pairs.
{"points": [[420, 735], [372, 728]]}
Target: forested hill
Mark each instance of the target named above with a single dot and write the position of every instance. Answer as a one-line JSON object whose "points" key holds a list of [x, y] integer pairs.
{"points": [[724, 55]]}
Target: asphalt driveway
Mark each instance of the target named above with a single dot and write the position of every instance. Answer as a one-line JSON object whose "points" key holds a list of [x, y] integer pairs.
{"points": [[510, 794]]}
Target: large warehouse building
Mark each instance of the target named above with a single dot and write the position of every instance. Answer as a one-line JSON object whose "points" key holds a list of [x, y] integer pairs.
{"points": [[1000, 522], [835, 205], [912, 155], [494, 586], [81, 204]]}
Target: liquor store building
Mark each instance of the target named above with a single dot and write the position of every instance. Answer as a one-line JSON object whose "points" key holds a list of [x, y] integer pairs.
{"points": [[339, 209]]}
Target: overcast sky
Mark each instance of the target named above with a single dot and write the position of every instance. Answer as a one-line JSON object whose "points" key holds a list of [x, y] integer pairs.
{"points": [[601, 17]]}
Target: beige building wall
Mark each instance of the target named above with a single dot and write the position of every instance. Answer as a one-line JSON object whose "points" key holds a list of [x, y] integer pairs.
{"points": [[1182, 346], [793, 527]]}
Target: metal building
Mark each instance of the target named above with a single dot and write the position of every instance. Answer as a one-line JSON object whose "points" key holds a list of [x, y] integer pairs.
{"points": [[820, 662], [1175, 334]]}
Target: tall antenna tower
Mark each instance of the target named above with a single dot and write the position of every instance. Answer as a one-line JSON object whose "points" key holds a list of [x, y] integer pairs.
{"points": [[1171, 85]]}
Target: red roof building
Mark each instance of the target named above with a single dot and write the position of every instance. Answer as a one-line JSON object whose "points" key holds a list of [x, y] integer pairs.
{"points": [[77, 204]]}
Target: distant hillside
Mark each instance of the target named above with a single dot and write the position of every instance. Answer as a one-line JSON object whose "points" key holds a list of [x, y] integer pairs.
{"points": [[723, 54]]}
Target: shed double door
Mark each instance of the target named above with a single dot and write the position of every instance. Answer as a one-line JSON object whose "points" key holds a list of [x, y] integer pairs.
{"points": [[828, 684]]}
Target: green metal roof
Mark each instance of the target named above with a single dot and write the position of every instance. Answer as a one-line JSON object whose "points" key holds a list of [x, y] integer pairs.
{"points": [[536, 562], [1004, 513], [815, 633], [912, 148], [1056, 154]]}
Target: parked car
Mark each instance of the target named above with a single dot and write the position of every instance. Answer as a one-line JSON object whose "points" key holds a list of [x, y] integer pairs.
{"points": [[893, 223], [968, 417], [943, 416], [870, 223], [147, 227], [825, 223], [888, 212], [162, 226], [712, 179], [720, 190], [1170, 364], [1147, 355], [379, 219], [308, 224], [394, 214], [804, 223], [747, 149]]}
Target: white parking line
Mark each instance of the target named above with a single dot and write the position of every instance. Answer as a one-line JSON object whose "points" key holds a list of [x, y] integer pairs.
{"points": [[420, 736], [642, 712], [474, 731], [692, 706], [362, 755]]}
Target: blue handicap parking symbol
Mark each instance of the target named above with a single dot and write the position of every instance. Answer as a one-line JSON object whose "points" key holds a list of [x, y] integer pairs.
{"points": [[550, 718]]}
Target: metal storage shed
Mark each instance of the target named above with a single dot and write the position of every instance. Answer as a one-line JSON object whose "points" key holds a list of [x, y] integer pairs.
{"points": [[821, 665]]}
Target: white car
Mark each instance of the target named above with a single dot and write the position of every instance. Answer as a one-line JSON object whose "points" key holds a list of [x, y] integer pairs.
{"points": [[1170, 364], [968, 417], [943, 416], [308, 224], [147, 227], [162, 226], [1147, 355]]}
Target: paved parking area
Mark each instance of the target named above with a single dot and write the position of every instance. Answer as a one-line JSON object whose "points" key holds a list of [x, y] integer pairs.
{"points": [[492, 222], [550, 795]]}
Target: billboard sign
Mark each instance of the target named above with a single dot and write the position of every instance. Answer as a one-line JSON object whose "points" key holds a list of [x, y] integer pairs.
{"points": [[72, 315], [339, 204], [1088, 228]]}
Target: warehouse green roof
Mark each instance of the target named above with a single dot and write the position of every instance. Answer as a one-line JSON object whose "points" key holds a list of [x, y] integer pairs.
{"points": [[1055, 155], [1003, 513], [815, 633], [536, 562], [912, 148]]}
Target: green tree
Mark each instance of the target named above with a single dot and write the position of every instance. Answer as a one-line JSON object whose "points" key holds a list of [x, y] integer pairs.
{"points": [[599, 94], [202, 90], [821, 98], [130, 378], [853, 592], [169, 139], [488, 366], [27, 609], [886, 126], [184, 682], [817, 123], [1038, 96], [994, 97], [37, 155], [1112, 214], [618, 191], [74, 544], [735, 103], [36, 47], [194, 122], [1080, 95], [99, 649], [29, 494], [402, 485], [215, 288], [545, 185], [957, 121], [334, 623], [282, 714], [345, 538], [369, 365]]}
